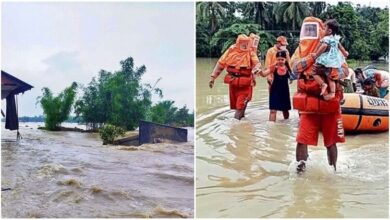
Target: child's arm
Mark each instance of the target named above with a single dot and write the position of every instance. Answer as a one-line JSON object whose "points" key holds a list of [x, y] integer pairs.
{"points": [[267, 71], [343, 51], [321, 49]]}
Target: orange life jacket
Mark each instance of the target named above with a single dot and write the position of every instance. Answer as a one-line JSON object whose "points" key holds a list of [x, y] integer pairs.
{"points": [[307, 98]]}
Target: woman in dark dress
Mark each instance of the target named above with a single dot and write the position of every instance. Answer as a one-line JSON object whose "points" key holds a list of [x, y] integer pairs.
{"points": [[279, 99]]}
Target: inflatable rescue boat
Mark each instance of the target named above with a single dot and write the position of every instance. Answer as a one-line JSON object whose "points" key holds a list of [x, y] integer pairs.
{"points": [[361, 113]]}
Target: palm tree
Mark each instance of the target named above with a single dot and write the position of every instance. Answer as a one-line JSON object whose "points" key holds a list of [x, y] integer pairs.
{"points": [[291, 13], [317, 8], [258, 11], [211, 12]]}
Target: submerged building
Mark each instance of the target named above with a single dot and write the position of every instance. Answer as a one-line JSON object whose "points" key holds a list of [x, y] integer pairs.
{"points": [[10, 88]]}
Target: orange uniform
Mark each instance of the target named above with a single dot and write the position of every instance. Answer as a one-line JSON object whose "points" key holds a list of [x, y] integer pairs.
{"points": [[239, 60], [313, 122]]}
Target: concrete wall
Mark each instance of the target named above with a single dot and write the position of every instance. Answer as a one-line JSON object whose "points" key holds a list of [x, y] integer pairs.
{"points": [[150, 132]]}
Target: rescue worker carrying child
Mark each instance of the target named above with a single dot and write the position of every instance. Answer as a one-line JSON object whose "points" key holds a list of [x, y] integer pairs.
{"points": [[316, 114]]}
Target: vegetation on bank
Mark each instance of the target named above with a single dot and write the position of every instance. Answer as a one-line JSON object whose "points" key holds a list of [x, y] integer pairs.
{"points": [[364, 30], [165, 112], [109, 132], [117, 99], [57, 108]]}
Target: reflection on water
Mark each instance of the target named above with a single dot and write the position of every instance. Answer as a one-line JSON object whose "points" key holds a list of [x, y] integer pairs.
{"points": [[247, 168], [71, 174]]}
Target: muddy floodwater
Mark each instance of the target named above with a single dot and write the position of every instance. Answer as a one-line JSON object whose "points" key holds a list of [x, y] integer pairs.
{"points": [[71, 174], [247, 168]]}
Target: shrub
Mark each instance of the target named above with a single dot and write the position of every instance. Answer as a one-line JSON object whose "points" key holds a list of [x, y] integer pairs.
{"points": [[109, 132]]}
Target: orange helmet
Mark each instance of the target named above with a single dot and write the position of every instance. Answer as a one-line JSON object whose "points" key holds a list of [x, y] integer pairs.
{"points": [[243, 42], [312, 31], [239, 54], [282, 40]]}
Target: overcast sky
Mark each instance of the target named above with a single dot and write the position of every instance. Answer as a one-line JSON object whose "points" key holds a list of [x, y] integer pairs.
{"points": [[54, 44], [372, 3]]}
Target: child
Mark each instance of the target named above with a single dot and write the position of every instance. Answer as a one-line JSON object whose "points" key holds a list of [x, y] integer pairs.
{"points": [[328, 55], [279, 99]]}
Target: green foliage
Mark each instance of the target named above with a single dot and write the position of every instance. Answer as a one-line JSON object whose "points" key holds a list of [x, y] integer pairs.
{"points": [[365, 30], [56, 109], [258, 12], [316, 8], [212, 12], [291, 13], [226, 37], [109, 132], [165, 112], [117, 98]]}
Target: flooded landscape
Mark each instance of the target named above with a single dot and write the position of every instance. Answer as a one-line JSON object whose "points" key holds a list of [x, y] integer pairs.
{"points": [[247, 168], [71, 174]]}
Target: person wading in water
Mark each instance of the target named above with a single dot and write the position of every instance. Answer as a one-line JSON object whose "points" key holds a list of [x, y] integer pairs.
{"points": [[239, 60], [279, 98]]}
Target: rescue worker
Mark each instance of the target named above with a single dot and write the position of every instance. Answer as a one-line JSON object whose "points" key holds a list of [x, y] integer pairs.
{"points": [[370, 89], [382, 83], [360, 77], [349, 83], [239, 60], [270, 57], [316, 114]]}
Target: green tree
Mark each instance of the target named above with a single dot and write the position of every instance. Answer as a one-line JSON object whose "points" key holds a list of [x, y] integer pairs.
{"points": [[183, 117], [380, 36], [56, 109], [317, 8], [117, 98], [258, 12], [364, 30], [291, 13], [203, 39], [348, 19], [224, 38], [163, 112], [212, 12]]}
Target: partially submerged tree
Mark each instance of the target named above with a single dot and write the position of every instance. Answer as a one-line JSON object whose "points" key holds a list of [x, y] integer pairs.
{"points": [[117, 98], [56, 109], [165, 112]]}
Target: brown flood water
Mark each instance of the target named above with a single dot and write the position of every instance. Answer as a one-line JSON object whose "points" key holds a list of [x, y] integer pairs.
{"points": [[71, 174], [247, 168]]}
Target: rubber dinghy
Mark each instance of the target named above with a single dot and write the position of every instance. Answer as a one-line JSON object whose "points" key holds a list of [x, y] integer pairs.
{"points": [[363, 113]]}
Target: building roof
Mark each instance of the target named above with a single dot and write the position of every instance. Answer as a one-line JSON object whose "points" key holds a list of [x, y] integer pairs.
{"points": [[11, 84]]}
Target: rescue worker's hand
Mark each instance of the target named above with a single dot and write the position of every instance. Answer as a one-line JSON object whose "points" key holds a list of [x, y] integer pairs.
{"points": [[256, 69], [211, 82], [313, 55]]}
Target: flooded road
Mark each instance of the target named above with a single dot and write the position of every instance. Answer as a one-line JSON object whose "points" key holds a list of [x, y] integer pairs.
{"points": [[247, 168], [71, 174]]}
